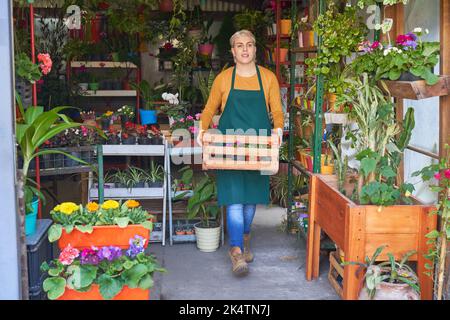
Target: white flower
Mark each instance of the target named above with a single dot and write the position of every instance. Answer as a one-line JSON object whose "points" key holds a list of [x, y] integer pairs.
{"points": [[427, 31], [304, 19], [417, 30], [386, 52]]}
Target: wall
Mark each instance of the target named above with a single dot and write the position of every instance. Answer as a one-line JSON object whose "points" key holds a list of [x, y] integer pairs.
{"points": [[424, 14]]}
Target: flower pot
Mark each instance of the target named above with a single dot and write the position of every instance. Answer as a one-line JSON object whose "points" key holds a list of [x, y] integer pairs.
{"points": [[148, 116], [31, 217], [285, 26], [83, 86], [408, 76], [139, 185], [144, 140], [87, 156], [166, 5], [59, 160], [94, 294], [331, 99], [206, 49], [105, 85], [129, 140], [47, 161], [195, 34], [157, 140], [103, 236], [68, 162], [115, 56], [308, 38], [283, 54], [274, 28], [391, 291], [113, 140], [207, 238], [326, 169], [105, 123], [126, 85], [157, 184], [116, 85], [94, 86], [124, 119]]}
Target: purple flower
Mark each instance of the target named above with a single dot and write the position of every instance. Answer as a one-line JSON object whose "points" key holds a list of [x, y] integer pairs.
{"points": [[412, 36], [136, 246], [411, 44], [89, 256], [109, 253]]}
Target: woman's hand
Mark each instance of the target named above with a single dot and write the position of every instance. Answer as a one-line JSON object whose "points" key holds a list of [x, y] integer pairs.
{"points": [[200, 137], [279, 133]]}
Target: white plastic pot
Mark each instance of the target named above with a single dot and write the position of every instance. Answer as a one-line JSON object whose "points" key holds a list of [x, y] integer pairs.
{"points": [[207, 238]]}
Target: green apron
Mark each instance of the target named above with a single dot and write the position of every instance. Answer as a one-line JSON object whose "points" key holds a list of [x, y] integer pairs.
{"points": [[245, 109]]}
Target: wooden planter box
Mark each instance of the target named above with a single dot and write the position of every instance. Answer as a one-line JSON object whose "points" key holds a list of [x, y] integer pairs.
{"points": [[103, 236], [360, 229], [416, 90], [94, 294]]}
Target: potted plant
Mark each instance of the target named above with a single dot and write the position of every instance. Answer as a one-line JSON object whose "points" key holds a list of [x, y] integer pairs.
{"points": [[156, 135], [206, 46], [137, 176], [105, 120], [128, 138], [155, 177], [142, 134], [286, 22], [203, 203], [126, 114], [101, 273], [111, 223], [113, 136], [122, 179], [94, 85], [195, 23], [73, 137], [148, 113], [389, 280], [184, 129]]}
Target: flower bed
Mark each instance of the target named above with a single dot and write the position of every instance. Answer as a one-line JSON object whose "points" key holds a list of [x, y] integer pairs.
{"points": [[101, 273]]}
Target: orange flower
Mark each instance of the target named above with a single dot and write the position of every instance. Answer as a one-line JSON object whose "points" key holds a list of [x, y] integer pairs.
{"points": [[92, 206], [132, 204]]}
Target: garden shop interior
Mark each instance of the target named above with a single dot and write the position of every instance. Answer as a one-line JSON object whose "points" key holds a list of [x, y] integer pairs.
{"points": [[120, 182]]}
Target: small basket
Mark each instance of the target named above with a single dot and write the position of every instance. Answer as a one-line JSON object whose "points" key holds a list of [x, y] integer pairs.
{"points": [[240, 152]]}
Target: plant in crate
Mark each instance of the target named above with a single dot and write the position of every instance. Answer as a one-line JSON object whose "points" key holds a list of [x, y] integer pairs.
{"points": [[106, 272], [389, 280], [126, 114], [128, 135], [156, 135], [142, 134], [112, 223], [204, 203], [439, 238], [155, 176], [408, 60]]}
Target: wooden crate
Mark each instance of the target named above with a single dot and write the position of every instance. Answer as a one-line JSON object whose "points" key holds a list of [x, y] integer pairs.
{"points": [[417, 90], [240, 152], [336, 271]]}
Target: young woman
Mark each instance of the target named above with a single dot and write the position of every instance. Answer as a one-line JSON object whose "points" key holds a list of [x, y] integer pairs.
{"points": [[246, 94]]}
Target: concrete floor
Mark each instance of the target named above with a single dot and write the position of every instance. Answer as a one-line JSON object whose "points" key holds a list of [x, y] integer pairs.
{"points": [[277, 273]]}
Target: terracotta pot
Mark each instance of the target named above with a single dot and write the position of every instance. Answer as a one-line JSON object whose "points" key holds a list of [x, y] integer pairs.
{"points": [[166, 5], [94, 294], [331, 99], [391, 291], [283, 54], [206, 49], [103, 236], [308, 38], [326, 169], [285, 26]]}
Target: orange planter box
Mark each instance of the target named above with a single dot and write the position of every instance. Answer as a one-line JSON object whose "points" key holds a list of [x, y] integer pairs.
{"points": [[94, 294], [103, 236]]}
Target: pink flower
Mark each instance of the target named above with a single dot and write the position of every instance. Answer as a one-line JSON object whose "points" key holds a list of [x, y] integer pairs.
{"points": [[214, 126], [197, 116], [84, 131], [447, 173], [45, 62], [375, 45], [182, 120], [437, 176], [67, 256], [193, 129], [189, 117]]}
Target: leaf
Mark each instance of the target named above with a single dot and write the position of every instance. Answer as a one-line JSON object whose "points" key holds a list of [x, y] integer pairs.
{"points": [[134, 275], [54, 287], [146, 282], [368, 165], [432, 235], [122, 222], [68, 228], [147, 225], [85, 228], [387, 172], [81, 276], [129, 264], [109, 286], [54, 232], [394, 74], [430, 78]]}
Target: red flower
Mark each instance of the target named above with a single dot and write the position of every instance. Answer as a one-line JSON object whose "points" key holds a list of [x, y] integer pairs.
{"points": [[437, 176], [168, 46], [447, 173], [45, 63], [403, 38]]}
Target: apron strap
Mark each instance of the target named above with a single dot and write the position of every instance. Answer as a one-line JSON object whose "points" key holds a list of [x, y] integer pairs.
{"points": [[259, 79]]}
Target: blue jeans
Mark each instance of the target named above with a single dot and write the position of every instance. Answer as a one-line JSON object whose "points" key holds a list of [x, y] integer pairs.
{"points": [[239, 221]]}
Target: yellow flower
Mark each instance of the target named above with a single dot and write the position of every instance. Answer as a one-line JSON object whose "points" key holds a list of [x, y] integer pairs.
{"points": [[68, 207], [109, 113], [92, 206], [110, 204], [407, 194], [132, 204], [57, 208]]}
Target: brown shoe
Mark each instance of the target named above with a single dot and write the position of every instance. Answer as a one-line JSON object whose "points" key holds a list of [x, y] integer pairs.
{"points": [[240, 267], [248, 256]]}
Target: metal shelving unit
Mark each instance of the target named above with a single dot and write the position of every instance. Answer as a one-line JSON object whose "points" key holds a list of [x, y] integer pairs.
{"points": [[136, 193]]}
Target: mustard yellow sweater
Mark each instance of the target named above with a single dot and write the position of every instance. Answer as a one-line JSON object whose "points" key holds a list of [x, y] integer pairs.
{"points": [[221, 88]]}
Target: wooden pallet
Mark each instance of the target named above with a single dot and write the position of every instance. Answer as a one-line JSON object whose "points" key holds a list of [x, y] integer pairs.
{"points": [[240, 152], [336, 271]]}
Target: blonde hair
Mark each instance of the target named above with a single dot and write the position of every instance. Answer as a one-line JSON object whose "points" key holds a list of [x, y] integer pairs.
{"points": [[241, 33]]}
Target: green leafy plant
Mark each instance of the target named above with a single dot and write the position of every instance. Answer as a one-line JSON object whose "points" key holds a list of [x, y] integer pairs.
{"points": [[156, 173], [203, 201], [438, 239], [362, 3], [185, 182], [205, 84], [409, 54], [148, 93], [70, 216], [389, 271], [26, 69], [341, 34], [279, 187], [108, 267]]}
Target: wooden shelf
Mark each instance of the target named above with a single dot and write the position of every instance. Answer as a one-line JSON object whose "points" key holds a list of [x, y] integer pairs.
{"points": [[304, 50], [109, 93], [135, 193], [417, 90], [282, 36], [103, 64]]}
